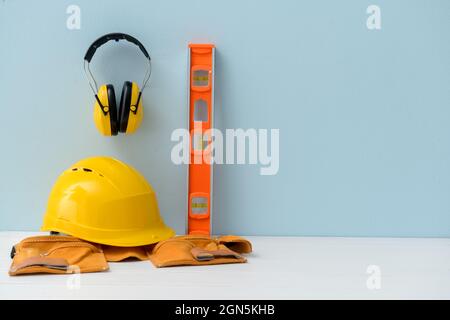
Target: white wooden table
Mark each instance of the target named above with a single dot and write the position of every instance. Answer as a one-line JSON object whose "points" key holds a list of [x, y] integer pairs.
{"points": [[279, 268]]}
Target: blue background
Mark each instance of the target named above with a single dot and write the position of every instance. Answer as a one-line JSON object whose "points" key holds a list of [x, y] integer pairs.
{"points": [[363, 115]]}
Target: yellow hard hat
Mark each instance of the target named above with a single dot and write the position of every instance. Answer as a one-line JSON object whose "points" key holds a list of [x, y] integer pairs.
{"points": [[104, 200]]}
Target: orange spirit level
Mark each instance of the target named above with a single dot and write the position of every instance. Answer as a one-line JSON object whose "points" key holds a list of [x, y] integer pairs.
{"points": [[201, 115]]}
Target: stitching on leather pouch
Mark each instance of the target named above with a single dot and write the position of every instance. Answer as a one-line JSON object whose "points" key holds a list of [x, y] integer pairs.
{"points": [[93, 248], [51, 239], [159, 245]]}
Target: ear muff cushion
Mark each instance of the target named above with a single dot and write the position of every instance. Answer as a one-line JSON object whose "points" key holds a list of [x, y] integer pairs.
{"points": [[125, 103], [112, 109]]}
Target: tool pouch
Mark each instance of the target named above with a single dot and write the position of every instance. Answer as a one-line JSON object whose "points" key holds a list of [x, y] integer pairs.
{"points": [[116, 254], [199, 250], [56, 254]]}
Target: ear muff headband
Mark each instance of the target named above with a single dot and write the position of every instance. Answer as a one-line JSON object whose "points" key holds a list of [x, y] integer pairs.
{"points": [[113, 36]]}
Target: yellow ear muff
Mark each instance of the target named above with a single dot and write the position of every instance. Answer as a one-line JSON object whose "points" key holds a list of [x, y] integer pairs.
{"points": [[129, 116], [131, 111], [105, 111]]}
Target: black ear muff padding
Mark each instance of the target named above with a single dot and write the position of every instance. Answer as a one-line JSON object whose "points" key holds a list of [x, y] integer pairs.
{"points": [[125, 104], [112, 109]]}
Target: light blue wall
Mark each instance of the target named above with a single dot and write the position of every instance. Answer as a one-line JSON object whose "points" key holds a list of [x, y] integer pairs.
{"points": [[364, 116]]}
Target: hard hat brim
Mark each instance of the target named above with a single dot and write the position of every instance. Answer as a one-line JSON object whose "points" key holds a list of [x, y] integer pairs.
{"points": [[127, 238]]}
